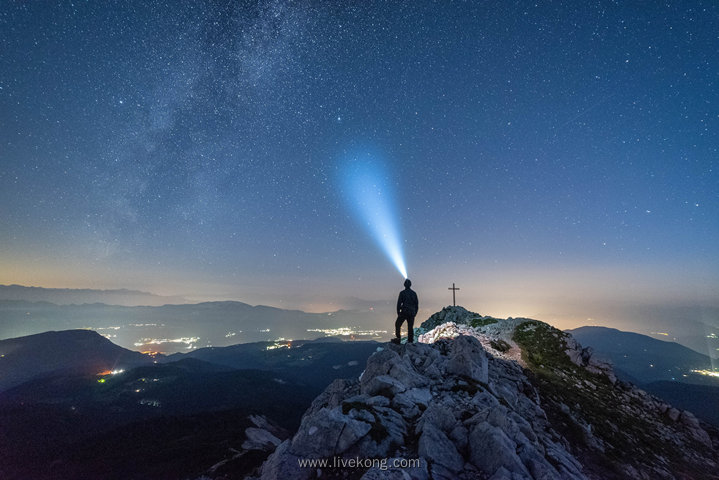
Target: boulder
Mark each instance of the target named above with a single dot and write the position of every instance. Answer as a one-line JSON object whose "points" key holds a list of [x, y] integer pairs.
{"points": [[284, 464], [490, 449], [388, 363], [419, 396], [404, 405], [438, 415], [259, 439], [695, 429], [673, 414], [467, 358], [334, 394], [383, 385], [438, 449], [327, 433]]}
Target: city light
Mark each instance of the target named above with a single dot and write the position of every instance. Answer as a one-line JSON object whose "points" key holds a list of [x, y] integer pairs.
{"points": [[189, 341], [348, 331]]}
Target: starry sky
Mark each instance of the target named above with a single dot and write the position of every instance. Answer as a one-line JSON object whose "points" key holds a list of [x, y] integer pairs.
{"points": [[554, 159]]}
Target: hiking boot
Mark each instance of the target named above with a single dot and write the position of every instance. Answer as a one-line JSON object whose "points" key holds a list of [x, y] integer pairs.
{"points": [[396, 341]]}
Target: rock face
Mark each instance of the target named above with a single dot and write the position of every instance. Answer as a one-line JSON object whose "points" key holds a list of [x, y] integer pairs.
{"points": [[459, 411], [454, 314], [467, 406], [263, 436], [584, 357]]}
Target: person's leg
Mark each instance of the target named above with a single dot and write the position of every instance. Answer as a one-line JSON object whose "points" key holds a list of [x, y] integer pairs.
{"points": [[410, 330], [398, 327]]}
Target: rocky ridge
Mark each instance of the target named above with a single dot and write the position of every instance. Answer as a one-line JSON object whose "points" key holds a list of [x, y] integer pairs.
{"points": [[485, 398]]}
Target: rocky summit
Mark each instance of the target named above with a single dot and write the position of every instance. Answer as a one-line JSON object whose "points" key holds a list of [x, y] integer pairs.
{"points": [[485, 398]]}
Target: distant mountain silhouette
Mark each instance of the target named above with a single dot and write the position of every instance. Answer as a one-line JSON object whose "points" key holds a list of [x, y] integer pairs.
{"points": [[76, 296], [644, 358], [210, 323], [661, 368], [70, 351]]}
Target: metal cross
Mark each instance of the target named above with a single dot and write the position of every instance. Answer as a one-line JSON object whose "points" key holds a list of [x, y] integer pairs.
{"points": [[454, 289]]}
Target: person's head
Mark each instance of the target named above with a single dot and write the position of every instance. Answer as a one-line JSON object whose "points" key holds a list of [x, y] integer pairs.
{"points": [[407, 283]]}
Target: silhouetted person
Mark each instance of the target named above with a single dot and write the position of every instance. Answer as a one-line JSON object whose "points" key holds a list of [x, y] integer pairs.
{"points": [[407, 307]]}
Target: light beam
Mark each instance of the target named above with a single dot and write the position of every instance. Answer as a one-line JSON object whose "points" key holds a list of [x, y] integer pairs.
{"points": [[367, 191]]}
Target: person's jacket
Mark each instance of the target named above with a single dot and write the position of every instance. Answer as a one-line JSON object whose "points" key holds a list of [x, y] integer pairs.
{"points": [[407, 303]]}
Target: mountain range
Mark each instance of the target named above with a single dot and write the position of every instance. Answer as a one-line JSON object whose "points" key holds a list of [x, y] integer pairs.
{"points": [[179, 328], [643, 359], [665, 369], [170, 324], [77, 296], [70, 398]]}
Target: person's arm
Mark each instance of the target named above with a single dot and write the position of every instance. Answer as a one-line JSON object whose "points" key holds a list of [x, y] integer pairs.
{"points": [[399, 303]]}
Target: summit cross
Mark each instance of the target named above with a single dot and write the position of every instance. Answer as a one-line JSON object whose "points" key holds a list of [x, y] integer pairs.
{"points": [[454, 290]]}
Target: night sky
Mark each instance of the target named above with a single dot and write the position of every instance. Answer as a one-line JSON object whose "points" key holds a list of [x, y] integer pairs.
{"points": [[551, 158]]}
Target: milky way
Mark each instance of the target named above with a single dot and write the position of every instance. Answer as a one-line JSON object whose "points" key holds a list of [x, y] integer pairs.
{"points": [[193, 147]]}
